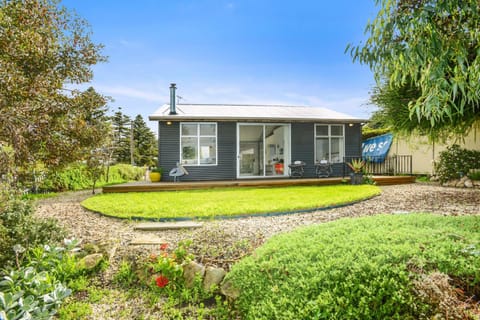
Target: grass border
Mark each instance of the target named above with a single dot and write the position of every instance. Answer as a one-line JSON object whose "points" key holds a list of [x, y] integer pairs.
{"points": [[238, 216]]}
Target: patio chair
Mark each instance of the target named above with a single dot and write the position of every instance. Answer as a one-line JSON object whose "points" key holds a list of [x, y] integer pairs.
{"points": [[177, 172], [297, 169], [323, 169]]}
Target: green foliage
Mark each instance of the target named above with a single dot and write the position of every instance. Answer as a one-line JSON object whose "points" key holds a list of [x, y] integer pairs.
{"points": [[77, 177], [125, 275], [43, 47], [474, 174], [157, 169], [360, 268], [145, 143], [36, 288], [429, 48], [18, 226], [225, 201], [145, 147], [75, 310], [356, 165], [368, 132], [164, 272], [456, 162]]}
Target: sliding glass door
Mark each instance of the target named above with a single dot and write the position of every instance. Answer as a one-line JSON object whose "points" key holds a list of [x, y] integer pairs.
{"points": [[263, 150]]}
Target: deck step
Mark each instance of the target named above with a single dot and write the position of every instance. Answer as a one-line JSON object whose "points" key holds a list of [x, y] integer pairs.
{"points": [[145, 239], [159, 226]]}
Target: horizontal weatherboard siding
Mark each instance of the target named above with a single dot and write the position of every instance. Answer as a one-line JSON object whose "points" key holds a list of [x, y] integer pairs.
{"points": [[169, 153], [302, 149]]}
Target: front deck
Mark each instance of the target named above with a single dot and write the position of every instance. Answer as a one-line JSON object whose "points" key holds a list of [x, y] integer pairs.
{"points": [[145, 186]]}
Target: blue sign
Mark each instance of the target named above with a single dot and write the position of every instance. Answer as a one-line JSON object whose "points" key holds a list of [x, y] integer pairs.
{"points": [[375, 149]]}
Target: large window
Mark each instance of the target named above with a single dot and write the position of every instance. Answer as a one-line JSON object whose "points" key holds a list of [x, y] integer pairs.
{"points": [[329, 142], [198, 143]]}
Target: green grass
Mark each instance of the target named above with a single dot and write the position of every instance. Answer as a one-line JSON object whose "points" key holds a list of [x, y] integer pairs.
{"points": [[210, 203], [361, 268]]}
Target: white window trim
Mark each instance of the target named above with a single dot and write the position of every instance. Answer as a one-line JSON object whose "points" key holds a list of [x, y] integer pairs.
{"points": [[198, 136], [330, 136]]}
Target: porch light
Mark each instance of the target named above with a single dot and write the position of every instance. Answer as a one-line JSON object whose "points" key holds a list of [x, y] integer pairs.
{"points": [[169, 123], [350, 124]]}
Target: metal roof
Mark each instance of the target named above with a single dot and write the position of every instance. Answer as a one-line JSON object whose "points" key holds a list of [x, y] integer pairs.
{"points": [[269, 113]]}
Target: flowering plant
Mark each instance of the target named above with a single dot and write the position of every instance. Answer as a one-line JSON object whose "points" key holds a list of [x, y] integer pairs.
{"points": [[165, 270]]}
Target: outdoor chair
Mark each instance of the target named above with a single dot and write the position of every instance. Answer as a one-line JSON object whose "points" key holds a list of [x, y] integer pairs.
{"points": [[297, 169], [323, 169], [177, 172]]}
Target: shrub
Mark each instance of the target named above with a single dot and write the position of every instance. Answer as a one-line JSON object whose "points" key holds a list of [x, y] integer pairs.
{"points": [[357, 268], [18, 226], [456, 162], [36, 289], [77, 177]]}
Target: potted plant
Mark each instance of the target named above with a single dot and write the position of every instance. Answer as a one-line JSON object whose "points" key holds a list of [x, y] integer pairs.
{"points": [[155, 174], [357, 165]]}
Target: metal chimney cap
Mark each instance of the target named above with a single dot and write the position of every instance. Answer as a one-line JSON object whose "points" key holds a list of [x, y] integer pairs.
{"points": [[172, 85]]}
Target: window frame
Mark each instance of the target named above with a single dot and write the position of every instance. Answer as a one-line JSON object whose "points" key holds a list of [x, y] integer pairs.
{"points": [[330, 136], [198, 137]]}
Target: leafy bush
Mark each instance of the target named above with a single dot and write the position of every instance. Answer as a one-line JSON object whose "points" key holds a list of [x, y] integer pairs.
{"points": [[360, 268], [18, 226], [456, 162], [35, 289], [76, 177]]}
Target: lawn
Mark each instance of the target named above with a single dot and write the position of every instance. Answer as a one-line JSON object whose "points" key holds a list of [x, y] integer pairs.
{"points": [[210, 203]]}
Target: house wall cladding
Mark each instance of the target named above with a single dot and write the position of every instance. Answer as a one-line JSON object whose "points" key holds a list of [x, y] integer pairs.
{"points": [[302, 148], [169, 153]]}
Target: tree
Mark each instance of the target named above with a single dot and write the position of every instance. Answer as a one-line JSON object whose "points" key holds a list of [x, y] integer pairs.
{"points": [[429, 47], [43, 49], [145, 142], [121, 125]]}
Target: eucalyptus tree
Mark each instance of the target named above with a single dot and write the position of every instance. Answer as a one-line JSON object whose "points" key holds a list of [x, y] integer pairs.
{"points": [[428, 49]]}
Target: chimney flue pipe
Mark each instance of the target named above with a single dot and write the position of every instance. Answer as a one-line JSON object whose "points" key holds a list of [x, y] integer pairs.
{"points": [[173, 108]]}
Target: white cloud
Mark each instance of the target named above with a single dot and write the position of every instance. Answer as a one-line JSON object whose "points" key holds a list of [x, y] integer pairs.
{"points": [[129, 92]]}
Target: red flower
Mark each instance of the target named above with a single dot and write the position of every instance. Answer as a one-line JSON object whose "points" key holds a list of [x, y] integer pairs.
{"points": [[161, 281], [164, 246]]}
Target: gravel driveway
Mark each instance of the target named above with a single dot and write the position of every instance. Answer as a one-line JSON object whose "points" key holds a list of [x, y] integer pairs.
{"points": [[223, 234]]}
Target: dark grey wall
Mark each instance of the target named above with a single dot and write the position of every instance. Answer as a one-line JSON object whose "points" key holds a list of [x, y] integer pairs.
{"points": [[303, 147], [169, 153]]}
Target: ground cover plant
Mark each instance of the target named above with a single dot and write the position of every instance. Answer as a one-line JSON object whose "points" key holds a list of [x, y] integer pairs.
{"points": [[411, 266], [211, 203]]}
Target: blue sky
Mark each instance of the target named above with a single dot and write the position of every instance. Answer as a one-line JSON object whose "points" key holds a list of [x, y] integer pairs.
{"points": [[244, 52]]}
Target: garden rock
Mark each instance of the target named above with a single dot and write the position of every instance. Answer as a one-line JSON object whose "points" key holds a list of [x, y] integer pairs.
{"points": [[468, 183], [190, 271], [213, 277], [229, 291], [90, 261]]}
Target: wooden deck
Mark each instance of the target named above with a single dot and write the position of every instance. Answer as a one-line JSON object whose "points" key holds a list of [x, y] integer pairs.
{"points": [[173, 186]]}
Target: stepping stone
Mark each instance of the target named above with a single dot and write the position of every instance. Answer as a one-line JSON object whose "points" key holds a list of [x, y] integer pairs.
{"points": [[145, 239], [158, 226]]}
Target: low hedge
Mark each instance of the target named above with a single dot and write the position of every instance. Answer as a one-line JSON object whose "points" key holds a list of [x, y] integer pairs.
{"points": [[357, 268], [75, 177], [456, 162]]}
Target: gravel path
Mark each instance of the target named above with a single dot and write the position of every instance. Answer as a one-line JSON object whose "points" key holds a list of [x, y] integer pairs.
{"points": [[247, 233]]}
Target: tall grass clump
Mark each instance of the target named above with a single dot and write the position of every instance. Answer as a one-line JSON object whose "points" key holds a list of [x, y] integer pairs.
{"points": [[364, 268]]}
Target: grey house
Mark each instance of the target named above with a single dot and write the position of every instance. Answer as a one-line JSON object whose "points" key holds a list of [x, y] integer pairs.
{"points": [[228, 142]]}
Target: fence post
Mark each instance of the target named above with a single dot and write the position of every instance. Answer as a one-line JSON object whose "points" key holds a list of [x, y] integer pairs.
{"points": [[395, 165]]}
